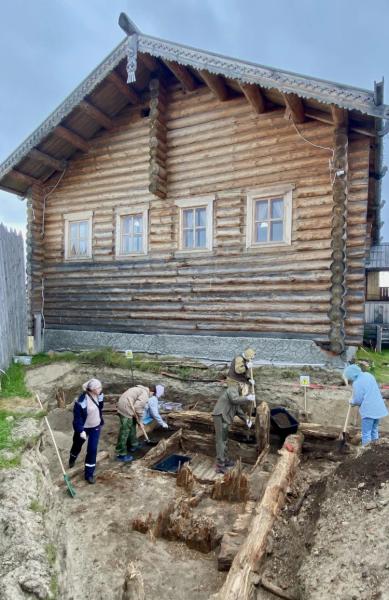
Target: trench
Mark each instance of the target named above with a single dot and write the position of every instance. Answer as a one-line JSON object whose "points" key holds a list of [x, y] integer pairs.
{"points": [[97, 549]]}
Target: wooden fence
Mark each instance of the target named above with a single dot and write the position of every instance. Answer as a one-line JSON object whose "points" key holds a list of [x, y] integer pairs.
{"points": [[13, 308]]}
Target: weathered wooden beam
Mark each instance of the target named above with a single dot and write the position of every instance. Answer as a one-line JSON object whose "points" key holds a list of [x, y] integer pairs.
{"points": [[123, 87], [215, 84], [182, 74], [11, 191], [72, 138], [240, 581], [339, 116], [254, 97], [149, 62], [96, 114], [46, 159], [294, 108], [163, 448], [22, 177], [262, 426]]}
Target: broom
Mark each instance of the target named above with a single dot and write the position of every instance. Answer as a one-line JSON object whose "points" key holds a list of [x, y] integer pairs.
{"points": [[68, 483]]}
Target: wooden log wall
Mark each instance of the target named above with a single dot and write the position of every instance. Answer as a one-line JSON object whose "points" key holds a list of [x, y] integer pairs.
{"points": [[213, 148], [34, 254]]}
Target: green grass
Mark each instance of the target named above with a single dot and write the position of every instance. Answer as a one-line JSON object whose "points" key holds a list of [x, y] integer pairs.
{"points": [[7, 442], [53, 587], [51, 553], [13, 384], [378, 363], [36, 507], [45, 359]]}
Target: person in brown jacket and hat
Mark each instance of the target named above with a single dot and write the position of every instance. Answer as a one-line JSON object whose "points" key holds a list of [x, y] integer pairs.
{"points": [[133, 399], [241, 369]]}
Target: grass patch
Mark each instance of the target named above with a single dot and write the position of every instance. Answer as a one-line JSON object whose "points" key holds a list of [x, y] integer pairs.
{"points": [[54, 587], [51, 553], [46, 359], [378, 363], [13, 384], [8, 421], [36, 507]]}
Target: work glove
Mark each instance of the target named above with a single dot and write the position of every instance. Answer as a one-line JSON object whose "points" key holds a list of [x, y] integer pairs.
{"points": [[251, 397], [249, 364], [252, 381], [249, 423], [83, 435], [165, 425]]}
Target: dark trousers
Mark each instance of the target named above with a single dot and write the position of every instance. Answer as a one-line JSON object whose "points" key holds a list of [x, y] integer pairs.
{"points": [[221, 438], [92, 434]]}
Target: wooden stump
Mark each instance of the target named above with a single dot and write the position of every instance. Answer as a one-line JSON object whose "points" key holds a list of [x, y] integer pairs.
{"points": [[233, 486], [133, 588], [185, 478], [60, 398]]}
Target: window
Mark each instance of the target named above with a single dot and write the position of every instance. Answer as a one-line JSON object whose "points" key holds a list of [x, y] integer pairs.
{"points": [[269, 216], [196, 224], [131, 231], [78, 235]]}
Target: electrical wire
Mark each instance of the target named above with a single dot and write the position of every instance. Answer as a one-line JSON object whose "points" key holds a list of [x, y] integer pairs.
{"points": [[332, 150], [54, 187]]}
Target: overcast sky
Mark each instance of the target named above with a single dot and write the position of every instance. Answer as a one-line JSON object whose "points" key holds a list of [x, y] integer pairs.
{"points": [[48, 46]]}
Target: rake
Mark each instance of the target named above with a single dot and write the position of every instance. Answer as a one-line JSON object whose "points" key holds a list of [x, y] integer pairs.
{"points": [[68, 483]]}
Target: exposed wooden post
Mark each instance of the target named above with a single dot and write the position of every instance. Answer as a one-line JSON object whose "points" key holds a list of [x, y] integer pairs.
{"points": [[215, 84], [339, 116], [123, 87], [72, 138], [294, 108], [157, 164], [254, 97], [182, 74], [239, 584], [337, 310], [262, 426]]}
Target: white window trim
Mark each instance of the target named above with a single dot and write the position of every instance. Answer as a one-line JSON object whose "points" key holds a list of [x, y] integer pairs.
{"points": [[86, 215], [284, 191], [196, 202], [121, 211]]}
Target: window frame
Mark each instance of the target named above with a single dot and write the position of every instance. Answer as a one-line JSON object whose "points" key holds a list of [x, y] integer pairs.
{"points": [[193, 203], [280, 191], [76, 217], [130, 211]]}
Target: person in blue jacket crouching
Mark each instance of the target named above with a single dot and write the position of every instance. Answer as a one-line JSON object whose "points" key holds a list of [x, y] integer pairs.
{"points": [[87, 423], [366, 395]]}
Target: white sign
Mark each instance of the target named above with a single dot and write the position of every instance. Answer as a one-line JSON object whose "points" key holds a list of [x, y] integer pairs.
{"points": [[304, 380], [129, 354]]}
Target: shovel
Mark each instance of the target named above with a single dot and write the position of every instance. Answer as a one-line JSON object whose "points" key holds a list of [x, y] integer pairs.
{"points": [[148, 441], [251, 405], [69, 485], [342, 438]]}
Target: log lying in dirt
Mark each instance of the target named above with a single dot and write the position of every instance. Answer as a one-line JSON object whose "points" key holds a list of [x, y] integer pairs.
{"points": [[277, 591], [241, 578], [162, 449], [233, 539], [203, 422], [233, 486]]}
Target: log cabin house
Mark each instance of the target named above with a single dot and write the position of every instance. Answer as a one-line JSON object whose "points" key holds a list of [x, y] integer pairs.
{"points": [[176, 191]]}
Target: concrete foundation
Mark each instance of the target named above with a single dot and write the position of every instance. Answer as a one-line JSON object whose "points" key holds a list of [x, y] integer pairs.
{"points": [[275, 351]]}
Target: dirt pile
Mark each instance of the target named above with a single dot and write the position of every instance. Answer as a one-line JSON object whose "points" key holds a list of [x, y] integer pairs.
{"points": [[332, 541]]}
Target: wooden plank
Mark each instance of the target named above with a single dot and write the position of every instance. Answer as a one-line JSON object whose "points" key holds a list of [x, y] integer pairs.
{"points": [[72, 138], [123, 87], [294, 108], [46, 159], [216, 85], [339, 116], [182, 74], [96, 114], [254, 97]]}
